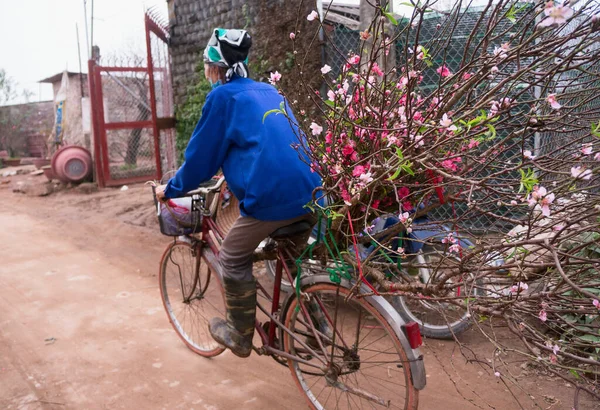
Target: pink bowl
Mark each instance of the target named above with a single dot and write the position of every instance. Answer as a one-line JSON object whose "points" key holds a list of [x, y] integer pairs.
{"points": [[72, 164]]}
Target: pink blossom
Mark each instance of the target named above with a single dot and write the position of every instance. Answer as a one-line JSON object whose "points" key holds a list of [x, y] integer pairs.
{"points": [[527, 154], [466, 76], [358, 170], [444, 71], [556, 15], [275, 77], [597, 156], [506, 102], [331, 95], [454, 248], [325, 69], [447, 123], [473, 143], [452, 163], [402, 83], [377, 70], [555, 349], [541, 199], [497, 374], [520, 286], [494, 70], [551, 98], [329, 138], [347, 150], [581, 173], [596, 303], [513, 202], [312, 16], [500, 53], [354, 59], [365, 178], [292, 36], [365, 35], [404, 217], [449, 239], [316, 128], [543, 315], [586, 149], [403, 192]]}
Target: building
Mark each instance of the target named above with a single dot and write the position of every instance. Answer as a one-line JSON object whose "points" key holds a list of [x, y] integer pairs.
{"points": [[76, 116]]}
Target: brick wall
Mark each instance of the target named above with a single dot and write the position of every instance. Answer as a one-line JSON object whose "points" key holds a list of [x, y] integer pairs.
{"points": [[25, 127], [191, 22]]}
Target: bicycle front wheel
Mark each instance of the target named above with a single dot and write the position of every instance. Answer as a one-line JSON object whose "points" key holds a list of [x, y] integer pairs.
{"points": [[191, 295], [365, 363]]}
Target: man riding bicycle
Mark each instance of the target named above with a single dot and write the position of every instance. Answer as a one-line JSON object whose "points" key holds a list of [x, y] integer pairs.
{"points": [[270, 179]]}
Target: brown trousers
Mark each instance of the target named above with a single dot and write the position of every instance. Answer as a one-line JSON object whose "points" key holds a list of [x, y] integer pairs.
{"points": [[243, 239]]}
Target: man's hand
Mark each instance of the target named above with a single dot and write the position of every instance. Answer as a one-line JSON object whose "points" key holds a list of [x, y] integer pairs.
{"points": [[160, 193]]}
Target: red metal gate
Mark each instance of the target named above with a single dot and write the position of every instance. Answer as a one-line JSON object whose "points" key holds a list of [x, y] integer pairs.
{"points": [[132, 114]]}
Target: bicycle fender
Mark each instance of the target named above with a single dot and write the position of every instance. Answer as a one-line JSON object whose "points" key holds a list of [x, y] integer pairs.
{"points": [[415, 357]]}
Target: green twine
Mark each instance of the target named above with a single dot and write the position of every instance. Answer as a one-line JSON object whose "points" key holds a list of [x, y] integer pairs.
{"points": [[341, 269]]}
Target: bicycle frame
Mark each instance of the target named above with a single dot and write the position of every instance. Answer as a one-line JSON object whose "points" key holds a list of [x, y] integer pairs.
{"points": [[210, 233]]}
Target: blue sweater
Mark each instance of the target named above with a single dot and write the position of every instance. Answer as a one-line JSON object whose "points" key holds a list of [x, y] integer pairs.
{"points": [[262, 169]]}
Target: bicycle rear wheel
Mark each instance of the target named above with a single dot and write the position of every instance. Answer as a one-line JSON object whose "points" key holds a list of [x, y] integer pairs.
{"points": [[369, 367], [191, 296], [438, 320]]}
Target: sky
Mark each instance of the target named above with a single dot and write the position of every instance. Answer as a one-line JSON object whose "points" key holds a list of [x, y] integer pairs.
{"points": [[38, 37]]}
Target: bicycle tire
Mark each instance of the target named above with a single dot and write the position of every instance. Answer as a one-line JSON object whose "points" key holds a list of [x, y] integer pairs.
{"points": [[382, 385], [191, 300]]}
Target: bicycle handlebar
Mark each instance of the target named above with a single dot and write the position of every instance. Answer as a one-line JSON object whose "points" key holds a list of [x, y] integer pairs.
{"points": [[211, 186]]}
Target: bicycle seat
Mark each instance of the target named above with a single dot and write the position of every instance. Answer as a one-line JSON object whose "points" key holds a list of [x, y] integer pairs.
{"points": [[289, 231]]}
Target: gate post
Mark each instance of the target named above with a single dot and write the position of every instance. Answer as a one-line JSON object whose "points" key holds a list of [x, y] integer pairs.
{"points": [[96, 134], [154, 114]]}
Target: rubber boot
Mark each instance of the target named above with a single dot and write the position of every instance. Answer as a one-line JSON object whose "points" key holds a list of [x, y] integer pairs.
{"points": [[236, 332]]}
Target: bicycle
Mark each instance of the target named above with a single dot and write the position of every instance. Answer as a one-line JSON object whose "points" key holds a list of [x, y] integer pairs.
{"points": [[343, 351]]}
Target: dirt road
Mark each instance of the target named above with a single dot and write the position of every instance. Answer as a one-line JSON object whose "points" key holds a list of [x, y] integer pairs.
{"points": [[82, 325]]}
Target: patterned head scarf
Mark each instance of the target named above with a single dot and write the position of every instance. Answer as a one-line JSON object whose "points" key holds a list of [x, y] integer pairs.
{"points": [[229, 48]]}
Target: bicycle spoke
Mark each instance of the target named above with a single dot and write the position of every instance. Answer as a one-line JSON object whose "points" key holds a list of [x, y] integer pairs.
{"points": [[190, 297]]}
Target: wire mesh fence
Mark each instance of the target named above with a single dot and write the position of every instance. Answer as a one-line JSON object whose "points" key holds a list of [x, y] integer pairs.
{"points": [[126, 100]]}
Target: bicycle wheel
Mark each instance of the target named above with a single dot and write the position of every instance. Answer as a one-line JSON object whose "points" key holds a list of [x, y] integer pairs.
{"points": [[438, 320], [368, 368], [191, 297]]}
